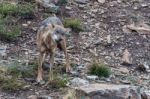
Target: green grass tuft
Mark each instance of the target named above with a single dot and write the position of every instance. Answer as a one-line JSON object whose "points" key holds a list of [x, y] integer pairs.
{"points": [[10, 84], [9, 30], [58, 82], [100, 70], [74, 24], [22, 71], [7, 9]]}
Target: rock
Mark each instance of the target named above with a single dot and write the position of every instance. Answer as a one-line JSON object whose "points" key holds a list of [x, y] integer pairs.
{"points": [[74, 73], [82, 1], [3, 53], [49, 5], [101, 1], [32, 97], [126, 58], [125, 82], [145, 95], [92, 77], [123, 70], [108, 39], [40, 97], [78, 82], [44, 97], [108, 91], [141, 28]]}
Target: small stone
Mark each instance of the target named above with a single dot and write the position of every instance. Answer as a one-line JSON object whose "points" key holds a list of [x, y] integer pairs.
{"points": [[3, 53], [44, 97], [124, 70], [27, 86], [125, 81], [126, 58], [32, 97], [78, 82], [101, 1], [82, 1], [74, 73], [25, 25], [92, 77], [144, 5], [109, 39]]}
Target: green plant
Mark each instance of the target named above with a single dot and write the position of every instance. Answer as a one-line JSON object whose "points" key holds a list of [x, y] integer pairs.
{"points": [[26, 9], [7, 9], [58, 82], [74, 24], [100, 70], [17, 70], [9, 30], [10, 84]]}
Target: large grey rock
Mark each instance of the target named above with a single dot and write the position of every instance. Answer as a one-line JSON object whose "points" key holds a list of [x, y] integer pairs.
{"points": [[49, 5], [78, 82], [52, 20], [108, 91]]}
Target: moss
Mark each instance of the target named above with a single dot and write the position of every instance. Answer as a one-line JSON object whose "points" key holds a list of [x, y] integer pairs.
{"points": [[74, 24], [100, 70]]}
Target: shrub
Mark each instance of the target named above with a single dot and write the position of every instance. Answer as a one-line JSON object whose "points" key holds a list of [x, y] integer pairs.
{"points": [[100, 70], [74, 24]]}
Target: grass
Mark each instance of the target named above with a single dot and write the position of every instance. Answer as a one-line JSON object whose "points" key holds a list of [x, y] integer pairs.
{"points": [[58, 82], [22, 71], [100, 70], [9, 14], [25, 10], [9, 30], [7, 9], [10, 84], [74, 24]]}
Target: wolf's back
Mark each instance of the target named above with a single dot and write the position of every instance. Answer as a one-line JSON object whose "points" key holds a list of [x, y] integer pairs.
{"points": [[52, 20]]}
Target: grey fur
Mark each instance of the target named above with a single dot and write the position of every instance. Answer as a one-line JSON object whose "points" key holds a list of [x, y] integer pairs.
{"points": [[52, 20]]}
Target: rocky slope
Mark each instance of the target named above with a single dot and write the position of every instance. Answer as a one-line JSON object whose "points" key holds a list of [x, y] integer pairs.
{"points": [[104, 40]]}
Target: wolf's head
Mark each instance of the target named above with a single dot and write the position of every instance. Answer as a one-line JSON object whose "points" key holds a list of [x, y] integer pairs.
{"points": [[60, 30]]}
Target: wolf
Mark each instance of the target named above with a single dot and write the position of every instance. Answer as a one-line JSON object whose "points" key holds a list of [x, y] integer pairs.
{"points": [[50, 36]]}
